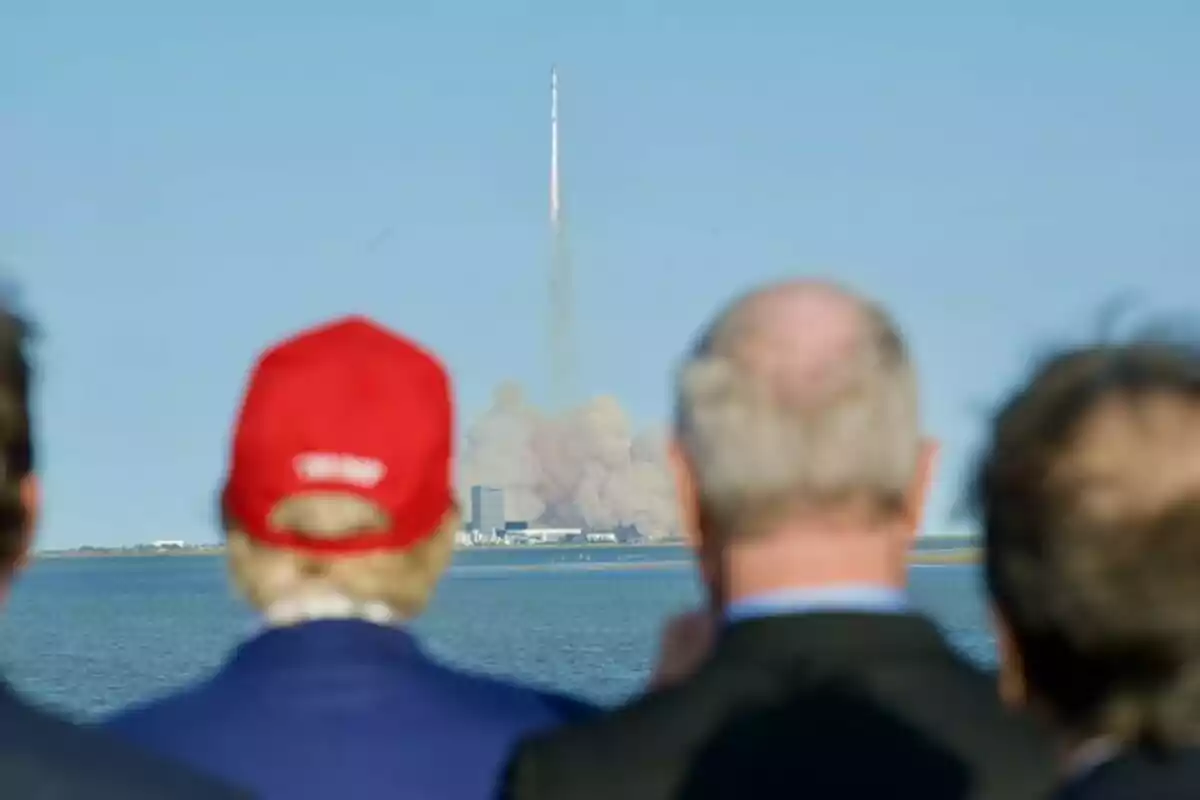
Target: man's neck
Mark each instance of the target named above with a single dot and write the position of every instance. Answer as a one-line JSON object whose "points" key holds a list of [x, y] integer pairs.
{"points": [[793, 560]]}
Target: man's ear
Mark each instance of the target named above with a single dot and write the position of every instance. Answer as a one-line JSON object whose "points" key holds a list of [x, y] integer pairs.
{"points": [[708, 559], [31, 498], [685, 493], [1013, 689], [452, 519], [918, 492]]}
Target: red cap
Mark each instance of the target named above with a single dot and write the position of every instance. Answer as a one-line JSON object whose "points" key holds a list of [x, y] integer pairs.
{"points": [[344, 407]]}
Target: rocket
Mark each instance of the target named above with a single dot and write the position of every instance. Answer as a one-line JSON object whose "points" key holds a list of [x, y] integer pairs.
{"points": [[554, 146]]}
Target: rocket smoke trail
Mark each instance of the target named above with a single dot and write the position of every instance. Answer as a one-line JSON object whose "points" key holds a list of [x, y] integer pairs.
{"points": [[582, 464], [561, 344], [554, 199]]}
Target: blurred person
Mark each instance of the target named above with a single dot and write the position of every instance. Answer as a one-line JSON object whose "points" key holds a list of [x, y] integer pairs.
{"points": [[802, 473], [1089, 498], [340, 520], [42, 756]]}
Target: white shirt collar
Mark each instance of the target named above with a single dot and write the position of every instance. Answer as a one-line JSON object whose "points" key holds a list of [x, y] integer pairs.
{"points": [[327, 606]]}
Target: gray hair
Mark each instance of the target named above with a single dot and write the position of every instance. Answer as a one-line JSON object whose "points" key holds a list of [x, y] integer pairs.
{"points": [[761, 441]]}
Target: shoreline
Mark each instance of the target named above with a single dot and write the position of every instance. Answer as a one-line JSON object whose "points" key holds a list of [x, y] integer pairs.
{"points": [[949, 556], [937, 558]]}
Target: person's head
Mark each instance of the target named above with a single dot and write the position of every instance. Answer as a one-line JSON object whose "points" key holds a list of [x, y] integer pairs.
{"points": [[340, 474], [797, 419], [1088, 493], [18, 487]]}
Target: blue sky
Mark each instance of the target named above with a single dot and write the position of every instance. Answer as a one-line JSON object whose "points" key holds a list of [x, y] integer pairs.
{"points": [[178, 188]]}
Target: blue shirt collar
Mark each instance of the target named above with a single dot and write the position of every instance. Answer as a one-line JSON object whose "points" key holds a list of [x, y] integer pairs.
{"points": [[847, 597]]}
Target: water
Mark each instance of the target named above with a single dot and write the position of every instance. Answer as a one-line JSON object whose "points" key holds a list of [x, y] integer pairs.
{"points": [[90, 635]]}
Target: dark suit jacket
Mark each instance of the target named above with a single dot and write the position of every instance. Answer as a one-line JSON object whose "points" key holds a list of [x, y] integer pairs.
{"points": [[46, 758], [838, 705], [1140, 776], [346, 710]]}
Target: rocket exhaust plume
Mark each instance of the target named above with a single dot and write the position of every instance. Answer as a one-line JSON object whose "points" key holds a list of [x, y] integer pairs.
{"points": [[583, 468], [581, 465]]}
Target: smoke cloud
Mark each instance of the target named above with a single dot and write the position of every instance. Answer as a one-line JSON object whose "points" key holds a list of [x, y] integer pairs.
{"points": [[585, 468]]}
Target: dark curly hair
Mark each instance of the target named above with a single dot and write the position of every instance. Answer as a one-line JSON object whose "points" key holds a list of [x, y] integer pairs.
{"points": [[1096, 569], [16, 439]]}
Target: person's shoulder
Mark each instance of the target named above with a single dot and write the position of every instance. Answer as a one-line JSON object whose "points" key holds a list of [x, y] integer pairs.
{"points": [[957, 702], [970, 694], [509, 699], [175, 724], [165, 710], [1134, 774], [649, 733], [568, 708], [131, 722], [60, 758], [644, 713]]}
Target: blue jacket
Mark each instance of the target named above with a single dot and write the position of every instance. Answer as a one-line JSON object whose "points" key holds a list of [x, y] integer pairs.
{"points": [[42, 756], [346, 710]]}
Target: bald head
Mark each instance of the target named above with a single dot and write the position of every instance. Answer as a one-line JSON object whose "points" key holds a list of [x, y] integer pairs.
{"points": [[799, 395], [795, 336]]}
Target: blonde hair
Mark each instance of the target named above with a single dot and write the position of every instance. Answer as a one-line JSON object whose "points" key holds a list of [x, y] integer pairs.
{"points": [[761, 443], [402, 580]]}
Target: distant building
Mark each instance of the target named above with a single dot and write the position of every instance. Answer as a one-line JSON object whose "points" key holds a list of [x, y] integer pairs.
{"points": [[163, 544], [602, 538], [552, 535], [487, 510]]}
